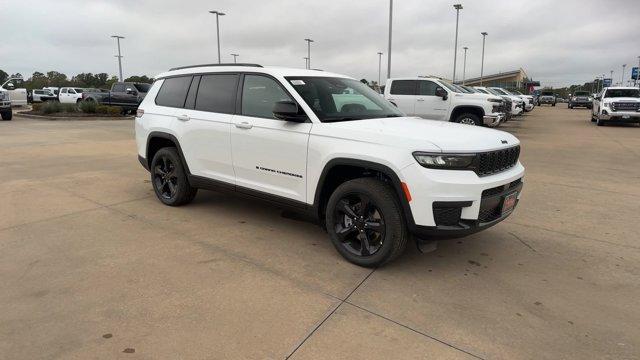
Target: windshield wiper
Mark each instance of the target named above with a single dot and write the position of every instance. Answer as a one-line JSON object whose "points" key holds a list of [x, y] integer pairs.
{"points": [[344, 118]]}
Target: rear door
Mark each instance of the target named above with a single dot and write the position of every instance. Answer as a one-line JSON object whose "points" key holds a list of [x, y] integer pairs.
{"points": [[269, 154], [118, 95], [64, 96], [204, 122], [428, 105], [403, 94]]}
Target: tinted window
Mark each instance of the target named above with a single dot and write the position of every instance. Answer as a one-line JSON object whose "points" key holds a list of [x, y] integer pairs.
{"points": [[191, 96], [427, 88], [173, 91], [118, 88], [217, 93], [142, 87], [403, 87], [38, 91], [64, 90], [260, 94]]}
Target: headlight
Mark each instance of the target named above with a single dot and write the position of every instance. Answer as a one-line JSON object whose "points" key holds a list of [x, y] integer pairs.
{"points": [[494, 100], [444, 161]]}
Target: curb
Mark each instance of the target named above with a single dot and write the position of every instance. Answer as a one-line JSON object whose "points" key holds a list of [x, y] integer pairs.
{"points": [[72, 118]]}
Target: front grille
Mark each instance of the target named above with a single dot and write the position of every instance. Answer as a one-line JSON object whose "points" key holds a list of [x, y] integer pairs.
{"points": [[496, 161], [625, 106], [491, 204]]}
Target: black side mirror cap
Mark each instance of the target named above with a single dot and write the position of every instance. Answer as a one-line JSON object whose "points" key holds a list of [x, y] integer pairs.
{"points": [[440, 92], [288, 111]]}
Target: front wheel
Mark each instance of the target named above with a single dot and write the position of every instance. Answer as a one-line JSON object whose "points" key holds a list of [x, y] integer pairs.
{"points": [[468, 119], [6, 115], [169, 179], [365, 222], [599, 122]]}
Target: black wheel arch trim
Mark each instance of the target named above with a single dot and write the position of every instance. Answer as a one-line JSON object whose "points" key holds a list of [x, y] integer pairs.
{"points": [[459, 107], [163, 135], [387, 171]]}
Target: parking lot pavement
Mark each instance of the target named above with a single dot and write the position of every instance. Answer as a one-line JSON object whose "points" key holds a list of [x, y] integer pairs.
{"points": [[93, 266]]}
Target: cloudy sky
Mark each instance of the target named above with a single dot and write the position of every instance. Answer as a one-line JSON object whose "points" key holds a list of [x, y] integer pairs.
{"points": [[556, 42]]}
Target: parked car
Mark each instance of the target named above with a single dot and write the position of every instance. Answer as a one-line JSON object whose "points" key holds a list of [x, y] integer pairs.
{"points": [[529, 102], [547, 97], [41, 95], [616, 104], [517, 99], [70, 95], [127, 95], [517, 105], [53, 89], [5, 105], [435, 99], [581, 98], [17, 93], [328, 145], [508, 107]]}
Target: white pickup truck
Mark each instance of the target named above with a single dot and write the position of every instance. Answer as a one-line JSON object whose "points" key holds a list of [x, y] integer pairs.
{"points": [[17, 94], [616, 104], [435, 99]]}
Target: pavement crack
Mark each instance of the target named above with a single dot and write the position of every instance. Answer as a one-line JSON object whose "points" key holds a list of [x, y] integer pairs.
{"points": [[522, 241], [342, 301]]}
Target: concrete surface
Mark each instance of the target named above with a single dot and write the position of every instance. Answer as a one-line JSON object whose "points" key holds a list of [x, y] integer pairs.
{"points": [[93, 266]]}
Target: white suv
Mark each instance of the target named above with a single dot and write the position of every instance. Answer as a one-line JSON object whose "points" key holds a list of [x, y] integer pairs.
{"points": [[434, 99], [329, 145], [616, 104]]}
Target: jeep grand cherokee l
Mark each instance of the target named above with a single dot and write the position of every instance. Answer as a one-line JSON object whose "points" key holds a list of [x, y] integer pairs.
{"points": [[329, 145]]}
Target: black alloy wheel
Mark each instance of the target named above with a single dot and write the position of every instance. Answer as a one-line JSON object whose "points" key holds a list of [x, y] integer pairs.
{"points": [[164, 177], [359, 225]]}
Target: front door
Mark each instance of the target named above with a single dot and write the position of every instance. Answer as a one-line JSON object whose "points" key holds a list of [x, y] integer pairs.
{"points": [[428, 105], [269, 154]]}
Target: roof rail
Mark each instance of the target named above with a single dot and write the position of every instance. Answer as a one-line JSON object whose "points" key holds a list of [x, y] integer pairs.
{"points": [[223, 64]]}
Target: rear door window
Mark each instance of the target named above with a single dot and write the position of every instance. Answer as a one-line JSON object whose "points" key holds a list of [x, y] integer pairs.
{"points": [[173, 91], [217, 93], [403, 87]]}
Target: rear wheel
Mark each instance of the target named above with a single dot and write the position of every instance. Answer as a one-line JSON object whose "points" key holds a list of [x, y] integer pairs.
{"points": [[6, 115], [468, 119], [365, 222], [169, 179]]}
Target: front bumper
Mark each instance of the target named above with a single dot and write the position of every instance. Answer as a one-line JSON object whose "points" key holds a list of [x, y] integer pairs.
{"points": [[493, 119], [620, 116], [465, 190], [5, 105], [581, 103], [546, 101]]}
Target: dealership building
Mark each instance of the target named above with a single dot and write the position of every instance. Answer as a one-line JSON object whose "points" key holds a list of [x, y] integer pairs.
{"points": [[511, 79]]}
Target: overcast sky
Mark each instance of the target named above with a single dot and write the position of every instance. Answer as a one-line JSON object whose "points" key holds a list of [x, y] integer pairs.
{"points": [[556, 42]]}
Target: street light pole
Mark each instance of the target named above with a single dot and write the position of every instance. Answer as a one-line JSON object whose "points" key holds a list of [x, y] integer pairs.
{"points": [[484, 35], [119, 56], [218, 14], [622, 80], [234, 57], [309, 41], [379, 67], [306, 62], [611, 77], [464, 66], [389, 47], [455, 47]]}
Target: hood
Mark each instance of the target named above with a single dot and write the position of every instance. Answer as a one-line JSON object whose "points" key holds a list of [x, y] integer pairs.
{"points": [[418, 134], [623, 99], [476, 96]]}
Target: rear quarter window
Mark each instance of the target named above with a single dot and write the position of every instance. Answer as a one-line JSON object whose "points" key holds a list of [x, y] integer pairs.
{"points": [[173, 91], [217, 93], [403, 87]]}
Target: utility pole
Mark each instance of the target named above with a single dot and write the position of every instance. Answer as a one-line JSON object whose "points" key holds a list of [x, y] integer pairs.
{"points": [[309, 41], [458, 7], [622, 80], [484, 35], [306, 62], [611, 77], [389, 47], [119, 56], [234, 57], [218, 14], [379, 67], [464, 66]]}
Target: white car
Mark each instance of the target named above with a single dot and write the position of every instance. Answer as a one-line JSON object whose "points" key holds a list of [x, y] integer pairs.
{"points": [[435, 99], [517, 104], [42, 95], [70, 95], [17, 94], [616, 104], [528, 99], [328, 145], [517, 99], [5, 105]]}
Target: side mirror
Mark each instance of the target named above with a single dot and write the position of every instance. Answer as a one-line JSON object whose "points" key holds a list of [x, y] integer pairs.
{"points": [[10, 86], [440, 92], [288, 111], [130, 91]]}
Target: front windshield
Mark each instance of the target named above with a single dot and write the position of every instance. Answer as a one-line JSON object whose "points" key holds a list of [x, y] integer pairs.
{"points": [[482, 91], [499, 91], [78, 90], [142, 87], [547, 93], [462, 89], [615, 93], [494, 92], [451, 87], [581, 93], [342, 99]]}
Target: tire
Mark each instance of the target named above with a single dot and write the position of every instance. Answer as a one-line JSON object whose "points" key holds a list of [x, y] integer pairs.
{"points": [[78, 101], [169, 179], [554, 104], [570, 106], [6, 115], [599, 122], [468, 119], [347, 231]]}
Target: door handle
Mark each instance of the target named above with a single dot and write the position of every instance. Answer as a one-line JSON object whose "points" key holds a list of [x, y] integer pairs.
{"points": [[420, 99], [183, 117], [244, 125]]}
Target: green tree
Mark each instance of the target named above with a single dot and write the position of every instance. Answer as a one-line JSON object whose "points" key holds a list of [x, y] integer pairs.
{"points": [[139, 79], [3, 76], [55, 78]]}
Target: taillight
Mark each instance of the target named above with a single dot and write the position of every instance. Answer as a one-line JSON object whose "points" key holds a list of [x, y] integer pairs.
{"points": [[139, 113]]}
